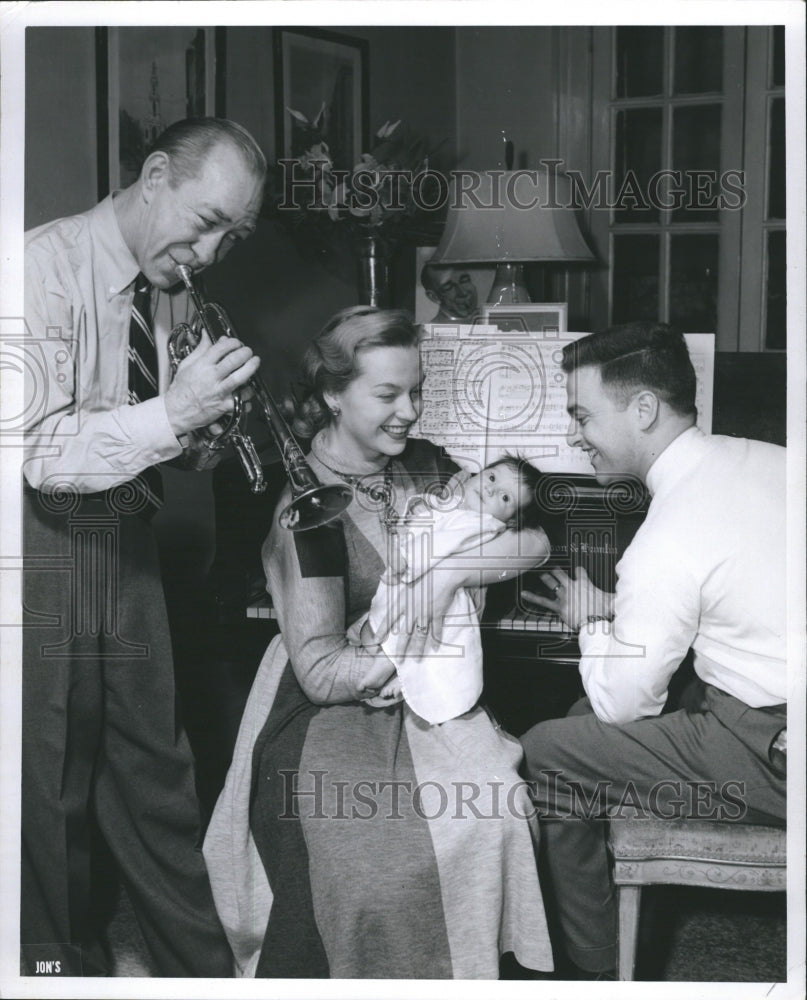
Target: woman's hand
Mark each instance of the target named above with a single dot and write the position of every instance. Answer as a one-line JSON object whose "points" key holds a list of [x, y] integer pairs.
{"points": [[380, 669], [427, 603]]}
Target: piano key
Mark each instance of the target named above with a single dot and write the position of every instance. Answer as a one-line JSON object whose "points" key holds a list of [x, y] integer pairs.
{"points": [[519, 620], [262, 608]]}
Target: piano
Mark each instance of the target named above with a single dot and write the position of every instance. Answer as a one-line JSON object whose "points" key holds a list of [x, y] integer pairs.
{"points": [[531, 659]]}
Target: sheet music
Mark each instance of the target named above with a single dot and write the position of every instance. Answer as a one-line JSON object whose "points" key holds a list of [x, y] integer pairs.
{"points": [[456, 393], [702, 352], [527, 414], [487, 393]]}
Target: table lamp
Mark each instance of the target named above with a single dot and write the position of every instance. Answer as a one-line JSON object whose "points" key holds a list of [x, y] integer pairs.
{"points": [[511, 218]]}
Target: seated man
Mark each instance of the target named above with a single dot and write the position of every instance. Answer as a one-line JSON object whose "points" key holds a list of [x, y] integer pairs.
{"points": [[705, 571], [453, 290]]}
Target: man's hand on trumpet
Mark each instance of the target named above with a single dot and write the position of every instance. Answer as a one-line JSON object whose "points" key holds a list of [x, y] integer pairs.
{"points": [[202, 389]]}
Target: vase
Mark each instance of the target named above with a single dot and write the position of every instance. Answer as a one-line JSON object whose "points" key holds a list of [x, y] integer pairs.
{"points": [[373, 254]]}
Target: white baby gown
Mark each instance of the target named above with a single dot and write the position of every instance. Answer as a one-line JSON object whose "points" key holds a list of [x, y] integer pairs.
{"points": [[446, 681]]}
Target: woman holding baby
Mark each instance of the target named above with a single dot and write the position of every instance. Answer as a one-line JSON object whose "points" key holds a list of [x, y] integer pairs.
{"points": [[353, 839]]}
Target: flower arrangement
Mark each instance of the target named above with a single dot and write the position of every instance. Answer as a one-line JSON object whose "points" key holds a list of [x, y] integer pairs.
{"points": [[384, 193]]}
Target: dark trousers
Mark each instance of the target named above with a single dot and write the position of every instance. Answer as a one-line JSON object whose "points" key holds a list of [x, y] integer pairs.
{"points": [[102, 750], [710, 764]]}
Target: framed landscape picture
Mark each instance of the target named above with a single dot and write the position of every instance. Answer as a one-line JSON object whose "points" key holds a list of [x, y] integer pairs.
{"points": [[147, 79]]}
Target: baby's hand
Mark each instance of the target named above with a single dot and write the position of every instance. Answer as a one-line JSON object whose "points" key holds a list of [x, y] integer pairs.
{"points": [[392, 689]]}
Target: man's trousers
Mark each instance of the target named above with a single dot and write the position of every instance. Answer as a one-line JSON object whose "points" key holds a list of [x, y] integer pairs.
{"points": [[101, 745], [709, 764]]}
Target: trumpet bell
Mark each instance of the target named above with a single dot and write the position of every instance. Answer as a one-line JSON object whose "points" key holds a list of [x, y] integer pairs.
{"points": [[316, 507], [312, 503]]}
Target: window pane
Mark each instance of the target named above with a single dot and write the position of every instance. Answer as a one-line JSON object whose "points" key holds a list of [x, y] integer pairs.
{"points": [[778, 61], [636, 285], [638, 157], [639, 61], [777, 185], [693, 283], [696, 151], [776, 312], [698, 60]]}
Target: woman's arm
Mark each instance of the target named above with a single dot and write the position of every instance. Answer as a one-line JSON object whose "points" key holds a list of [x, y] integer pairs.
{"points": [[305, 574], [500, 558]]}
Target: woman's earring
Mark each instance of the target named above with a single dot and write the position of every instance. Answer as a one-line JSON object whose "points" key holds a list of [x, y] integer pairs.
{"points": [[335, 411]]}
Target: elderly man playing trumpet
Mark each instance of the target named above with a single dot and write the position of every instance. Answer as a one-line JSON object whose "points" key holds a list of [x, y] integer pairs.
{"points": [[102, 751]]}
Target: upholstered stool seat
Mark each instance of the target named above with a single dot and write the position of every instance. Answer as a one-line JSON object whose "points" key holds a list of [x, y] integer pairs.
{"points": [[706, 853]]}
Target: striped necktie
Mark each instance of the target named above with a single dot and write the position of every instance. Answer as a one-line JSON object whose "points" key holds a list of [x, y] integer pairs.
{"points": [[142, 349], [143, 380]]}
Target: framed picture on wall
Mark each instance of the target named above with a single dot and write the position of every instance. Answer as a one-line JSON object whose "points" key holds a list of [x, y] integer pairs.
{"points": [[321, 92], [148, 78], [465, 288], [545, 318]]}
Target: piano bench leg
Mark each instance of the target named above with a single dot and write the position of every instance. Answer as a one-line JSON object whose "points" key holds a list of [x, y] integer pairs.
{"points": [[629, 898]]}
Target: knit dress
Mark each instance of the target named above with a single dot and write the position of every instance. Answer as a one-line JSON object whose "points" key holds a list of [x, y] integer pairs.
{"points": [[360, 842]]}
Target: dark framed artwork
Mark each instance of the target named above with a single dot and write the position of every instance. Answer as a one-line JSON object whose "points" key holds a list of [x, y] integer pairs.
{"points": [[147, 78], [546, 318], [322, 75]]}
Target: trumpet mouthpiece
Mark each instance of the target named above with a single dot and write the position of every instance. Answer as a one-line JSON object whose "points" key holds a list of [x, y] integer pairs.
{"points": [[184, 273]]}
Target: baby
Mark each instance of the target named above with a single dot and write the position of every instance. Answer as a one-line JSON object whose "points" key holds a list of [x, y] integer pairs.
{"points": [[447, 680]]}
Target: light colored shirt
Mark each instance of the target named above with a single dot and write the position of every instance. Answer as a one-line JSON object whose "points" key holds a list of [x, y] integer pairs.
{"points": [[79, 286], [705, 570]]}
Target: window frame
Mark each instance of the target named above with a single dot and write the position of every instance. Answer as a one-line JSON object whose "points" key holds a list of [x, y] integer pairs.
{"points": [[748, 93]]}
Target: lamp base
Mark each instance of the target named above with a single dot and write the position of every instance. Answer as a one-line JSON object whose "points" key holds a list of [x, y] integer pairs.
{"points": [[509, 285]]}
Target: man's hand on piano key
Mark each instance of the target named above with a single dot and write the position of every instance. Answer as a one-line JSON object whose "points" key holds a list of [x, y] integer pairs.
{"points": [[574, 599]]}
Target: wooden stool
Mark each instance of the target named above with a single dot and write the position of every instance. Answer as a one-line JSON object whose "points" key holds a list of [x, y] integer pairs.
{"points": [[706, 853]]}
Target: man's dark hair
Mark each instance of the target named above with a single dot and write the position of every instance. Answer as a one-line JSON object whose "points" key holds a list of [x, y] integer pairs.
{"points": [[530, 514], [187, 143], [638, 356], [430, 277]]}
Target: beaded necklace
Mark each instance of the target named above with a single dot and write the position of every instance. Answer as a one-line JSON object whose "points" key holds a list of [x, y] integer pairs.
{"points": [[379, 493]]}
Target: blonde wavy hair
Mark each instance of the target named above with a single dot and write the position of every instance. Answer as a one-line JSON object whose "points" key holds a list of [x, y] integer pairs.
{"points": [[332, 360]]}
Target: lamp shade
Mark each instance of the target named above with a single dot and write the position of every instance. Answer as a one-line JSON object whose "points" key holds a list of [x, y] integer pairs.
{"points": [[511, 216]]}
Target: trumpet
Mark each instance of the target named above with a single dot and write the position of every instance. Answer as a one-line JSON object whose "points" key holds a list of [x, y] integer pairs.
{"points": [[312, 503]]}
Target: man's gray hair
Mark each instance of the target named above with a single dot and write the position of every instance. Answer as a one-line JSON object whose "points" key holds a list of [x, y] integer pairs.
{"points": [[188, 142]]}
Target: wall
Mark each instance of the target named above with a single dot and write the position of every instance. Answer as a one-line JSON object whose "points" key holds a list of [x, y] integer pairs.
{"points": [[512, 80], [411, 74], [276, 297], [60, 149], [505, 81], [267, 283]]}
